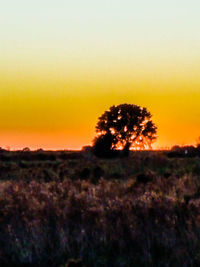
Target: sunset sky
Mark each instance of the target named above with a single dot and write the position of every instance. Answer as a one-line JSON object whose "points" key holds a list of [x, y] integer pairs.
{"points": [[63, 63]]}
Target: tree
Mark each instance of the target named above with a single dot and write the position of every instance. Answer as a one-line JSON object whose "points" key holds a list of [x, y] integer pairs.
{"points": [[103, 145], [124, 126]]}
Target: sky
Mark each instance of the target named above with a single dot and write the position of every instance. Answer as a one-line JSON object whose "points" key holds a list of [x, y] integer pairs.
{"points": [[63, 63]]}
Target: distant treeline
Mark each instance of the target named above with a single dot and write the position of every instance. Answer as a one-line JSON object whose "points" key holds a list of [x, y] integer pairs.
{"points": [[40, 155], [184, 151]]}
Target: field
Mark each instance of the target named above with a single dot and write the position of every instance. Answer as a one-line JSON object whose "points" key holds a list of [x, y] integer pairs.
{"points": [[72, 209]]}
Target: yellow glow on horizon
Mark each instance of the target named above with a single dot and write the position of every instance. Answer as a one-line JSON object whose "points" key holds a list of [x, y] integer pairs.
{"points": [[61, 71], [60, 112]]}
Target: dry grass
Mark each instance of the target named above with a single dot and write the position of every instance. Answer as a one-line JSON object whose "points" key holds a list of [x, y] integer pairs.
{"points": [[140, 211]]}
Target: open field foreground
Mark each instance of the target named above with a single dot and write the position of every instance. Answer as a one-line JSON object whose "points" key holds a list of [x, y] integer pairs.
{"points": [[138, 211]]}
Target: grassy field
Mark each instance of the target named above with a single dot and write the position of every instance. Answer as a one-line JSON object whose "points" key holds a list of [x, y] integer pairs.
{"points": [[138, 211]]}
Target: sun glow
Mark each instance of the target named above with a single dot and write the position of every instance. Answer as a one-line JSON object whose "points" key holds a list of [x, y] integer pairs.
{"points": [[61, 71]]}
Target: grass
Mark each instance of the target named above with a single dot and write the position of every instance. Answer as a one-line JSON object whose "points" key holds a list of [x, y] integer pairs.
{"points": [[138, 211]]}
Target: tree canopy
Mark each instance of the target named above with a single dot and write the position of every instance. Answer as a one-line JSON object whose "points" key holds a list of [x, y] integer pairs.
{"points": [[125, 126]]}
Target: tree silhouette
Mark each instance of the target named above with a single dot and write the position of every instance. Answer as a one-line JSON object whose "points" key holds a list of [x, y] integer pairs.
{"points": [[122, 127], [103, 145]]}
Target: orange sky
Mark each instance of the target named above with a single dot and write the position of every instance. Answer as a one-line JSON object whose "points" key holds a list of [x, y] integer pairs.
{"points": [[52, 111], [62, 65]]}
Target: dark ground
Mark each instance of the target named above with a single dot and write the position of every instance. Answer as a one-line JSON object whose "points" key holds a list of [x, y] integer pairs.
{"points": [[143, 210]]}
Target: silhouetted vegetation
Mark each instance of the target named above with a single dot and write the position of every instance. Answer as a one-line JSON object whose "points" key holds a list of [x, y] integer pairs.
{"points": [[103, 146], [123, 126], [184, 151], [83, 211], [38, 155]]}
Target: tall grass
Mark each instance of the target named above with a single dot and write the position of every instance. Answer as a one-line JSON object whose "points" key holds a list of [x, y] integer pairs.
{"points": [[109, 223]]}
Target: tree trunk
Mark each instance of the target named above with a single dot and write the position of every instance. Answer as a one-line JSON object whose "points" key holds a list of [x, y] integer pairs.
{"points": [[125, 151]]}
